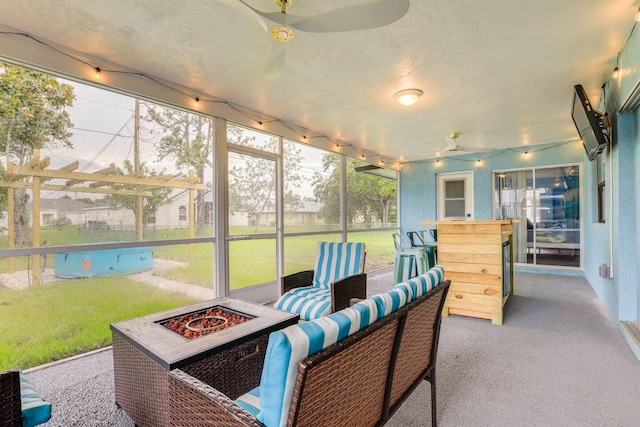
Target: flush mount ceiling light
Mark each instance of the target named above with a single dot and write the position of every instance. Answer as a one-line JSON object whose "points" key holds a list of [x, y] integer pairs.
{"points": [[408, 96]]}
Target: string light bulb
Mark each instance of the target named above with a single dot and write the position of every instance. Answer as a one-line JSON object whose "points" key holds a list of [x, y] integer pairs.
{"points": [[98, 71], [616, 72]]}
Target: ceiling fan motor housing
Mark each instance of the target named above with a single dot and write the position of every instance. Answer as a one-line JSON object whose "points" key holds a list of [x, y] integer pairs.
{"points": [[282, 33]]}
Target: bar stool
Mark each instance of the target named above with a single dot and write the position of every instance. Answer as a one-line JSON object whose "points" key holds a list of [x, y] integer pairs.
{"points": [[418, 240], [414, 257]]}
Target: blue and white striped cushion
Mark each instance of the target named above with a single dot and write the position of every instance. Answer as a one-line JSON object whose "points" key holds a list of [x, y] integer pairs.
{"points": [[407, 289], [368, 312], [337, 260], [309, 302], [34, 410], [289, 346], [250, 401], [311, 292], [427, 281], [389, 301]]}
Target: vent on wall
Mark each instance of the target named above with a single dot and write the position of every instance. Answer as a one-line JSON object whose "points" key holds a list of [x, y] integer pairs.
{"points": [[365, 168]]}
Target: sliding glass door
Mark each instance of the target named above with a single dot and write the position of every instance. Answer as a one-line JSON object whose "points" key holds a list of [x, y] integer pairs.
{"points": [[546, 204]]}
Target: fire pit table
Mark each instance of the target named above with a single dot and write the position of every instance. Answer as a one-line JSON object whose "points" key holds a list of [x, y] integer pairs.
{"points": [[221, 341]]}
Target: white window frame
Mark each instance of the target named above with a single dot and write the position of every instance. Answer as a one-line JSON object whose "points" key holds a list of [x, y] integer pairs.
{"points": [[467, 176]]}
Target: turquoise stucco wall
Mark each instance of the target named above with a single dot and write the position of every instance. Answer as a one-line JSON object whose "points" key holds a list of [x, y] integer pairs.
{"points": [[620, 295], [418, 180], [613, 242]]}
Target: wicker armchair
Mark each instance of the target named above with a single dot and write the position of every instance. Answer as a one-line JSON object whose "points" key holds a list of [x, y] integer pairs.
{"points": [[337, 277]]}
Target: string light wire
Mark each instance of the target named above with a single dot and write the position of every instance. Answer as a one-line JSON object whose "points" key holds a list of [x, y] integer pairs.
{"points": [[302, 132]]}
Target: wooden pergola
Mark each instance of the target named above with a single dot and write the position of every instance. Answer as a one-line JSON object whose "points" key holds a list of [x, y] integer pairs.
{"points": [[35, 176]]}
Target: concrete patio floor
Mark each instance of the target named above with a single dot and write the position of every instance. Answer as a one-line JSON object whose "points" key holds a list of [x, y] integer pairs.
{"points": [[558, 360]]}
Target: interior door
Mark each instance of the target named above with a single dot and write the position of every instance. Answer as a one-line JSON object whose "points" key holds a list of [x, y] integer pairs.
{"points": [[455, 196]]}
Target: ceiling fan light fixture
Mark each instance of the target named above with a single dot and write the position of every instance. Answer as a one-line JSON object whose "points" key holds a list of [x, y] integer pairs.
{"points": [[408, 97], [282, 33]]}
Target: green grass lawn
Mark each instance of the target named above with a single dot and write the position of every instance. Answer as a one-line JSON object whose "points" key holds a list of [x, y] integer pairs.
{"points": [[49, 322], [45, 323], [254, 261], [250, 261]]}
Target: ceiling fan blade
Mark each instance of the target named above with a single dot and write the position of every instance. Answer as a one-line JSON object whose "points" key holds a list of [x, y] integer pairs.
{"points": [[275, 63], [476, 149], [352, 18], [248, 10], [451, 144]]}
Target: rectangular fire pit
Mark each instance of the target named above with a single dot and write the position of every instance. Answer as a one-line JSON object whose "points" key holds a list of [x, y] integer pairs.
{"points": [[145, 349], [204, 322]]}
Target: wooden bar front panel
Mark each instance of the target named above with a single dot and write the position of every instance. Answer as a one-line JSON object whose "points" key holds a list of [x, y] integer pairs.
{"points": [[471, 254]]}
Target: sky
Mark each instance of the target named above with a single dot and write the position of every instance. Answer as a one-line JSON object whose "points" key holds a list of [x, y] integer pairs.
{"points": [[103, 129]]}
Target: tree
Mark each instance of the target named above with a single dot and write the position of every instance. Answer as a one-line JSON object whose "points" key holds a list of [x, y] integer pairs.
{"points": [[252, 184], [3, 190], [189, 142], [327, 190], [369, 197], [32, 116], [150, 204]]}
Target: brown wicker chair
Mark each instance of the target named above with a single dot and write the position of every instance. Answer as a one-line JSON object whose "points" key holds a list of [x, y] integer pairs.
{"points": [[361, 380], [342, 290]]}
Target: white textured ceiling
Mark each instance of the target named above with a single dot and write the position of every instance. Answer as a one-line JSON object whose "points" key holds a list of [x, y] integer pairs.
{"points": [[500, 72]]}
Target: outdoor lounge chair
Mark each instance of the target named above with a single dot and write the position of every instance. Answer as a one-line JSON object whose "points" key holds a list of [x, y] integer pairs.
{"points": [[20, 406], [337, 277]]}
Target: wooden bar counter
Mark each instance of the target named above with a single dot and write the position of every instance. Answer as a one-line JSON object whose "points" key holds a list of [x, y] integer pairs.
{"points": [[477, 256]]}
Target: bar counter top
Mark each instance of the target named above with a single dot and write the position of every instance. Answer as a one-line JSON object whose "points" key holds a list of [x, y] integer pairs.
{"points": [[470, 221]]}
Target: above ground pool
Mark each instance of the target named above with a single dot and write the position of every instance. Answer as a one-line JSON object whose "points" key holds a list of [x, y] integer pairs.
{"points": [[103, 262]]}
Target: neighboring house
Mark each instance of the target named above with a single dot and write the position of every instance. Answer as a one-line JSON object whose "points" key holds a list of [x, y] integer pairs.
{"points": [[307, 213], [117, 218], [52, 210], [175, 213]]}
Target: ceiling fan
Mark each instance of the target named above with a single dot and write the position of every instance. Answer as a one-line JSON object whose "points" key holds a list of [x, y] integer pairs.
{"points": [[453, 146], [350, 18]]}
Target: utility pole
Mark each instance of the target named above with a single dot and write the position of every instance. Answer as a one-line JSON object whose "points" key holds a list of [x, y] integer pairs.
{"points": [[136, 168]]}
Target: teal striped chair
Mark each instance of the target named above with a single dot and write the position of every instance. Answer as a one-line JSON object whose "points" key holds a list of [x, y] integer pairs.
{"points": [[338, 277], [20, 406]]}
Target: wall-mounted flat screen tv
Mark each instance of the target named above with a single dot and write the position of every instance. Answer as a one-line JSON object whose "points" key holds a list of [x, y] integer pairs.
{"points": [[590, 123]]}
